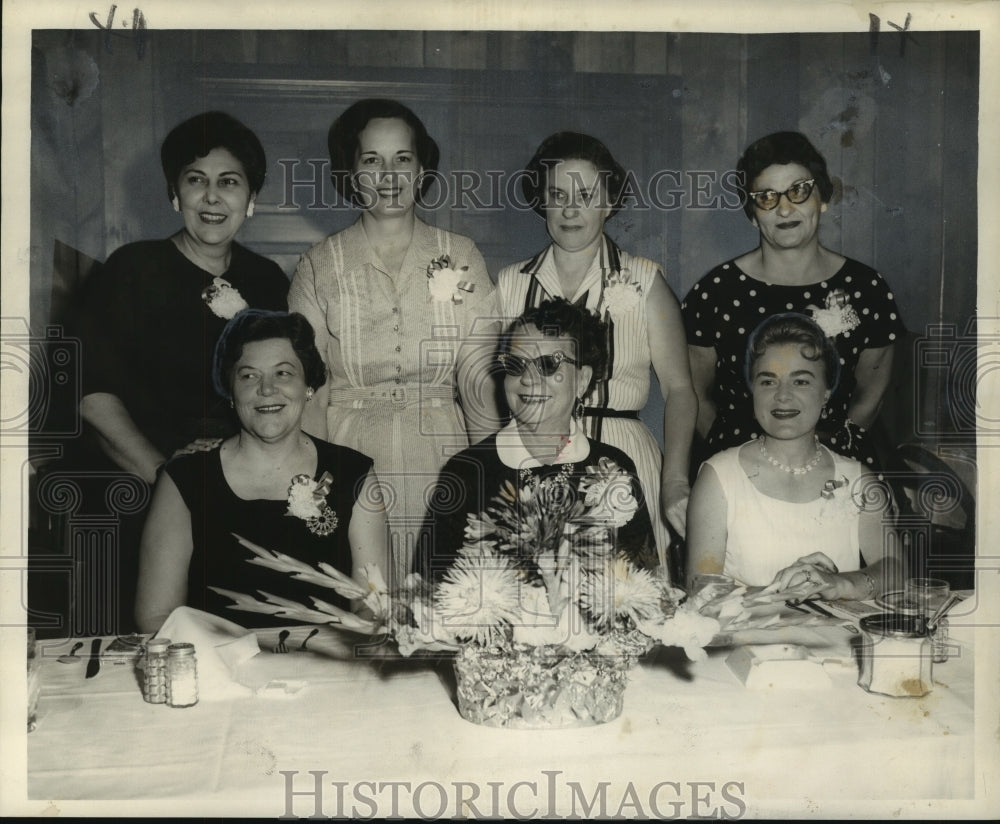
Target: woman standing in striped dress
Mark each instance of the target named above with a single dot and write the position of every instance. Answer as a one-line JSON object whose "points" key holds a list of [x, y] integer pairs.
{"points": [[405, 317], [575, 184]]}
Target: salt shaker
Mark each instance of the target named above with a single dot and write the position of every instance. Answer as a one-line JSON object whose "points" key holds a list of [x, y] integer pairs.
{"points": [[182, 676], [154, 677]]}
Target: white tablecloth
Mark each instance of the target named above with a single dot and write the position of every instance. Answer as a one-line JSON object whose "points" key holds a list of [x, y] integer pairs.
{"points": [[691, 741]]}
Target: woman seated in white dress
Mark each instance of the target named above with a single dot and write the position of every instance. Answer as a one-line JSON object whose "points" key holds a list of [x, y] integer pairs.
{"points": [[782, 511]]}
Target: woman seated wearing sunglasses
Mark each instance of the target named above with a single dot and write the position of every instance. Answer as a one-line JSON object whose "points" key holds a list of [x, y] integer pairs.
{"points": [[549, 355], [787, 188]]}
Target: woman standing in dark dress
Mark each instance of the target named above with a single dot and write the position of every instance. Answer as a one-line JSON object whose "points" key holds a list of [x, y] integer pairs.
{"points": [[271, 483], [152, 313], [787, 188]]}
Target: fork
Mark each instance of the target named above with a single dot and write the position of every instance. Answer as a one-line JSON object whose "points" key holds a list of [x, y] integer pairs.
{"points": [[280, 646]]}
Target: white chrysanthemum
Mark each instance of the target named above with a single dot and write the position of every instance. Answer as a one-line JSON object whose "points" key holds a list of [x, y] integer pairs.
{"points": [[608, 493], [479, 594], [622, 591]]}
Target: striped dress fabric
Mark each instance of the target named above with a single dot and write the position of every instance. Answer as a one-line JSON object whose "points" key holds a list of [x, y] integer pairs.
{"points": [[626, 384], [392, 349]]}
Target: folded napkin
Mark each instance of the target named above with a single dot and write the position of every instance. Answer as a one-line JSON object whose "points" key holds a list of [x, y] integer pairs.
{"points": [[220, 646]]}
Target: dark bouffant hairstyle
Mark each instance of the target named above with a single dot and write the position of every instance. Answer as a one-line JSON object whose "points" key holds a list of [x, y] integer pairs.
{"points": [[342, 141], [571, 146], [780, 149], [791, 327], [559, 318], [198, 135], [260, 324]]}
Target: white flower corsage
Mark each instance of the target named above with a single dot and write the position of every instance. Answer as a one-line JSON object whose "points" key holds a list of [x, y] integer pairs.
{"points": [[223, 298], [608, 490], [307, 500], [445, 283], [838, 316], [621, 295]]}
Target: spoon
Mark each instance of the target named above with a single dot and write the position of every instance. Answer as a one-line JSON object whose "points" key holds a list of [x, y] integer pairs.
{"points": [[310, 635], [71, 658], [942, 610]]}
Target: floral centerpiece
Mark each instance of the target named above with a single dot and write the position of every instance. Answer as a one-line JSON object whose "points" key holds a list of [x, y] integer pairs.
{"points": [[544, 616]]}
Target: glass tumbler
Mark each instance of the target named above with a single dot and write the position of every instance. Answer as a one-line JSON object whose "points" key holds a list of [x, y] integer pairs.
{"points": [[34, 679]]}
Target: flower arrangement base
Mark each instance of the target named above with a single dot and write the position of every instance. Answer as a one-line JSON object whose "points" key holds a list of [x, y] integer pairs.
{"points": [[539, 687]]}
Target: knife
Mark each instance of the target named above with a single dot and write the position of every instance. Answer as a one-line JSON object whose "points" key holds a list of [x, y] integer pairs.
{"points": [[94, 664]]}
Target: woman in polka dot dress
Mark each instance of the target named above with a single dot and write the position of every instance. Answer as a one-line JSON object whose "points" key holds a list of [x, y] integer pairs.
{"points": [[787, 188]]}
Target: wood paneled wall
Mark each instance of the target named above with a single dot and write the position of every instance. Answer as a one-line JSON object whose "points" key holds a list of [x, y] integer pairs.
{"points": [[896, 120]]}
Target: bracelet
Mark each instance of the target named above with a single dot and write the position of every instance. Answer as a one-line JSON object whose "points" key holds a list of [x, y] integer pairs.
{"points": [[871, 587]]}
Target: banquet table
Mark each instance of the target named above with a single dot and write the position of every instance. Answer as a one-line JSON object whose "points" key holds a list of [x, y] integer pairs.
{"points": [[328, 732]]}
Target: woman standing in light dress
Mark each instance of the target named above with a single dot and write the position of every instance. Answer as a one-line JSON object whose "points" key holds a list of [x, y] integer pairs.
{"points": [[575, 184], [405, 318]]}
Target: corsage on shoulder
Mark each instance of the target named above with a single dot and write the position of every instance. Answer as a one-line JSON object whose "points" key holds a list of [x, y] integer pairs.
{"points": [[307, 500], [223, 299], [445, 283], [838, 316], [621, 294], [608, 490]]}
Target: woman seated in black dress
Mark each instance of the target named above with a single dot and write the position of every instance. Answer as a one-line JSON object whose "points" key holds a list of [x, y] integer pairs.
{"points": [[550, 356], [271, 483]]}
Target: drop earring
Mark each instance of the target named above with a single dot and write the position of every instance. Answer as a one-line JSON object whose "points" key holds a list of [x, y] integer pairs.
{"points": [[250, 209], [578, 409], [176, 203]]}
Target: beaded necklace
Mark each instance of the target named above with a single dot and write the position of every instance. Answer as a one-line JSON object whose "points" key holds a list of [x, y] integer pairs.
{"points": [[793, 470]]}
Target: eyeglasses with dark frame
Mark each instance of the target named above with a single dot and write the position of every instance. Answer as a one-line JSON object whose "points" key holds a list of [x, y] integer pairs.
{"points": [[545, 365], [798, 192]]}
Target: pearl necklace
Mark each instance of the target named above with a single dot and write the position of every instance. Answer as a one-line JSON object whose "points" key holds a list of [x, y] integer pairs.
{"points": [[793, 470]]}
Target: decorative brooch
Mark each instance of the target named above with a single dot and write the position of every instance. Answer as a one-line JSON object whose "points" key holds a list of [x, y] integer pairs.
{"points": [[838, 316], [530, 480], [445, 283], [621, 295], [307, 500], [223, 299]]}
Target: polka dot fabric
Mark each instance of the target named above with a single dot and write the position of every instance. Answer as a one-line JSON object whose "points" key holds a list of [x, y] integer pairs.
{"points": [[723, 308]]}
